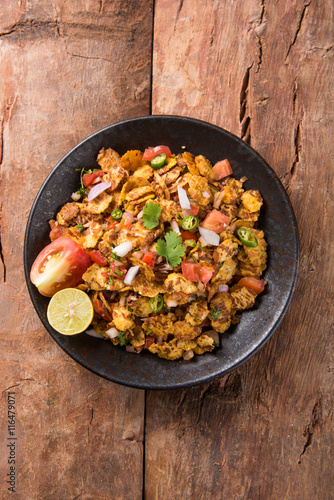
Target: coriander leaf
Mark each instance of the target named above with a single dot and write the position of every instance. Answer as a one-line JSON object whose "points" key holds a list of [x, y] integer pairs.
{"points": [[172, 248], [80, 227], [151, 214], [215, 313], [122, 339]]}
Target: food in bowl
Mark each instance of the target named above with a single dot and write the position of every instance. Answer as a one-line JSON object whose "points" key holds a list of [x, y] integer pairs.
{"points": [[174, 251]]}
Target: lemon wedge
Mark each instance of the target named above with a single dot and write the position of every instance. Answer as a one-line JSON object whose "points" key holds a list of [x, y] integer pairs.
{"points": [[70, 311]]}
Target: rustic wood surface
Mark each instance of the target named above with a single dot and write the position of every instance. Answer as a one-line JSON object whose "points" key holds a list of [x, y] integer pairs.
{"points": [[264, 71]]}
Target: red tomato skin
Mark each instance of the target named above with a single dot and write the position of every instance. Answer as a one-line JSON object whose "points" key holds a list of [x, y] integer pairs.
{"points": [[147, 257], [100, 309], [194, 210], [188, 235], [205, 274], [64, 269], [216, 221], [150, 153], [257, 285], [88, 179], [222, 169], [98, 258]]}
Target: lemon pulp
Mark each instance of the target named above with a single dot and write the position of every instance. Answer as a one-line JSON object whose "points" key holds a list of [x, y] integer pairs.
{"points": [[70, 311]]}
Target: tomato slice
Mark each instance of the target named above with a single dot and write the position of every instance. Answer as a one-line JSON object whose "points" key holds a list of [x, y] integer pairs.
{"points": [[88, 179], [205, 274], [150, 153], [98, 258], [194, 210], [216, 221], [188, 235], [148, 257], [222, 169], [59, 265], [195, 272], [253, 283]]}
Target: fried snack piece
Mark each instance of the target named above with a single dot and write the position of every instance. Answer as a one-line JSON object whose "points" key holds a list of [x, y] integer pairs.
{"points": [[122, 319], [175, 282], [98, 205], [204, 344], [204, 167], [133, 160], [242, 297], [115, 176], [184, 330], [92, 235], [145, 287], [197, 312], [252, 201], [97, 278], [107, 158], [220, 312], [67, 213], [141, 308], [199, 190]]}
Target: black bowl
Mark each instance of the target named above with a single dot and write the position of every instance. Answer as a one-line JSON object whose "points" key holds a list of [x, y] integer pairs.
{"points": [[239, 343]]}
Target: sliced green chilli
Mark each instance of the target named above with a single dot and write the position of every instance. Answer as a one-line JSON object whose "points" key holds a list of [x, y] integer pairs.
{"points": [[191, 243], [117, 214], [158, 161], [247, 237], [190, 222], [156, 303]]}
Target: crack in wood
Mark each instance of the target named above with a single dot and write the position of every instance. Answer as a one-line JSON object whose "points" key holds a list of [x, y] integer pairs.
{"points": [[316, 420], [301, 18], [178, 13], [243, 119]]}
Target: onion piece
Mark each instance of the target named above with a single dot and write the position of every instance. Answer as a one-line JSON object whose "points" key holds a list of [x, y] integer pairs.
{"points": [[244, 179], [112, 333], [130, 275], [175, 226], [206, 194], [183, 198], [223, 288], [123, 249], [140, 215], [76, 196], [209, 236], [92, 333], [188, 355], [98, 189], [214, 335], [130, 348]]}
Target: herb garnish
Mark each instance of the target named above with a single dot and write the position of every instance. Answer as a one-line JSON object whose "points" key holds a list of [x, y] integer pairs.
{"points": [[215, 313], [80, 227], [172, 248], [151, 214], [122, 339]]}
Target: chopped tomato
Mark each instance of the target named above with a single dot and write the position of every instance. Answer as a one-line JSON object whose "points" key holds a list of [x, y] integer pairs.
{"points": [[216, 221], [101, 310], [205, 274], [98, 258], [222, 169], [253, 283], [188, 235], [148, 257], [127, 219], [111, 226], [194, 210], [195, 272], [150, 153], [59, 265], [88, 179]]}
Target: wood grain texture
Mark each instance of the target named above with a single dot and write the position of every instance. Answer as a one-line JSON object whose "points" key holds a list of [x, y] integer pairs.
{"points": [[68, 69], [262, 70]]}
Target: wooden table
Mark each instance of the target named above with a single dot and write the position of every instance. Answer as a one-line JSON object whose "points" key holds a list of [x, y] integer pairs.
{"points": [[264, 71]]}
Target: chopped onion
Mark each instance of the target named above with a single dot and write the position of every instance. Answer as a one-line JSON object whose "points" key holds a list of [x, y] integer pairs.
{"points": [[223, 288], [140, 215], [98, 189], [214, 335], [130, 348], [206, 194], [188, 355], [183, 198], [160, 338], [112, 333], [130, 275], [128, 218], [244, 179], [175, 226], [232, 227], [201, 286], [92, 333], [209, 236], [123, 249], [76, 196]]}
